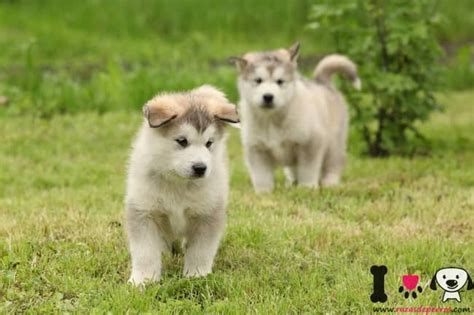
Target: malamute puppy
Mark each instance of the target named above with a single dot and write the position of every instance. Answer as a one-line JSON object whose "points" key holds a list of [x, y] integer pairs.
{"points": [[177, 182], [290, 121]]}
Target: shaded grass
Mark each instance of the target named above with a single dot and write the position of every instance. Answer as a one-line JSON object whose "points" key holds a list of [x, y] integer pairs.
{"points": [[62, 246]]}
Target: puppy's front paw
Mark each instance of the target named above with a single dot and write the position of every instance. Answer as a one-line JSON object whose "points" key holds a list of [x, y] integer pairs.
{"points": [[196, 271], [140, 278], [263, 189], [330, 180], [309, 185]]}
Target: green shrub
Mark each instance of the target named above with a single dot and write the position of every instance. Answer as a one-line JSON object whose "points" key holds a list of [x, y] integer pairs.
{"points": [[397, 54]]}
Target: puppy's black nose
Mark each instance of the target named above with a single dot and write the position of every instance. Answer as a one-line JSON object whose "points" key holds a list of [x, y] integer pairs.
{"points": [[451, 283], [268, 98], [199, 169]]}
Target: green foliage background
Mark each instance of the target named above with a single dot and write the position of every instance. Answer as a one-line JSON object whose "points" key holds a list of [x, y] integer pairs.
{"points": [[70, 56], [398, 56]]}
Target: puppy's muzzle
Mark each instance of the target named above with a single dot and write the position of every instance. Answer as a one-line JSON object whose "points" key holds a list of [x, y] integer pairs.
{"points": [[199, 169], [267, 100]]}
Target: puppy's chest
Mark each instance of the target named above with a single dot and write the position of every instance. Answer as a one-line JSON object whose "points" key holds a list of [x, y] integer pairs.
{"points": [[277, 142], [177, 207], [178, 222]]}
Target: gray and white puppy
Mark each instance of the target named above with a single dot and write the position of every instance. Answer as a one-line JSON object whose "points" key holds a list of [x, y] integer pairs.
{"points": [[177, 182], [291, 121]]}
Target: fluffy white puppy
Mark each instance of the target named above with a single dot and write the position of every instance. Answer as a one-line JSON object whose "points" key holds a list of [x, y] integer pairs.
{"points": [[291, 121], [177, 182]]}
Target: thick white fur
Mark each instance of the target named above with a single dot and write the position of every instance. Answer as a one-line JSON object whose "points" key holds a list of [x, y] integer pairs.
{"points": [[305, 131], [164, 204]]}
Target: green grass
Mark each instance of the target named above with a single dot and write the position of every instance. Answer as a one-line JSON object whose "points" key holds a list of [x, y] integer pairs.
{"points": [[66, 56], [63, 249], [62, 245], [70, 56]]}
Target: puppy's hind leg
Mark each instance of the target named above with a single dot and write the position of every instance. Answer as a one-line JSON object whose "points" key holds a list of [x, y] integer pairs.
{"points": [[334, 162], [309, 166], [202, 241], [146, 245], [261, 170], [290, 175]]}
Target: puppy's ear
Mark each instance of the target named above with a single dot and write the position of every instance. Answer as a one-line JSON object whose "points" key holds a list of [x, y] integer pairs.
{"points": [[217, 104], [227, 113], [239, 62], [470, 285], [433, 283], [161, 110], [294, 51]]}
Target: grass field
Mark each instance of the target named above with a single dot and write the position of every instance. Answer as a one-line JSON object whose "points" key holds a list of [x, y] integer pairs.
{"points": [[70, 56], [76, 74], [62, 245]]}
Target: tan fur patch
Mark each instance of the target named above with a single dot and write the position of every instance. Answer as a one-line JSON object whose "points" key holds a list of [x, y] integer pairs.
{"points": [[199, 107], [162, 109], [215, 102]]}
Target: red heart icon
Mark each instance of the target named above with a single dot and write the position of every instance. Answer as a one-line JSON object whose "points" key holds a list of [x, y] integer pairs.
{"points": [[410, 281]]}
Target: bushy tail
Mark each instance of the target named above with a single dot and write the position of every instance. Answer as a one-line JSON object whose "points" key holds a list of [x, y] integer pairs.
{"points": [[336, 63]]}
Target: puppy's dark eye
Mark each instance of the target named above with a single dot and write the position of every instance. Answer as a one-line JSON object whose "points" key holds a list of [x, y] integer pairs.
{"points": [[280, 81], [457, 276], [258, 80], [444, 276], [182, 141], [209, 143]]}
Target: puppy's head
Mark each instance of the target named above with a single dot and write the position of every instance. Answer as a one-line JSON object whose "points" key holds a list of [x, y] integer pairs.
{"points": [[451, 279], [266, 79], [187, 130]]}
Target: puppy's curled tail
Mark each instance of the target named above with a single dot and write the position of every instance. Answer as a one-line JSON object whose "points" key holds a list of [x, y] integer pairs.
{"points": [[336, 63]]}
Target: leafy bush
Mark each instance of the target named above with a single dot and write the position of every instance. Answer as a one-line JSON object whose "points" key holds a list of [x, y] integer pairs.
{"points": [[393, 44]]}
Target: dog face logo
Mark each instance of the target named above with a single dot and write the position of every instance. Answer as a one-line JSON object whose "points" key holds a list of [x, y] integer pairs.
{"points": [[451, 280]]}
